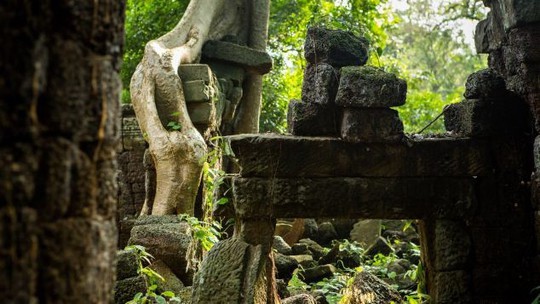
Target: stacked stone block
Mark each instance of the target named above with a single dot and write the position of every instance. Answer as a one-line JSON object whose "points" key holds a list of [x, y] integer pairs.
{"points": [[204, 99], [343, 98], [488, 110], [366, 95]]}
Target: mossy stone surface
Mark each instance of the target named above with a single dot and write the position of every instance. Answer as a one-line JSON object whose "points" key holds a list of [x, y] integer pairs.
{"points": [[335, 47], [370, 87]]}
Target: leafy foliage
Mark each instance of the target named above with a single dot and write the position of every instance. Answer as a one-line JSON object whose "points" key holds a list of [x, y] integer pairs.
{"points": [[427, 50], [206, 233], [289, 21], [146, 20], [152, 279], [431, 53]]}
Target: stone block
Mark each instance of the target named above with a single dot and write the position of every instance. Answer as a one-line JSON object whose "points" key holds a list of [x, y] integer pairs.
{"points": [[281, 246], [196, 91], [371, 125], [370, 87], [271, 155], [167, 239], [202, 113], [232, 72], [481, 36], [126, 264], [285, 265], [171, 282], [366, 232], [302, 298], [488, 117], [125, 290], [305, 260], [127, 110], [326, 234], [317, 273], [320, 83], [379, 246], [311, 119], [335, 47], [368, 288], [525, 42], [452, 287], [367, 198], [251, 59], [132, 137], [189, 72], [537, 152], [516, 13], [483, 84], [453, 248]]}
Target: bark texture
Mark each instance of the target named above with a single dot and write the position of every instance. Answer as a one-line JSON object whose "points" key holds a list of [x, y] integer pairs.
{"points": [[59, 119], [158, 98]]}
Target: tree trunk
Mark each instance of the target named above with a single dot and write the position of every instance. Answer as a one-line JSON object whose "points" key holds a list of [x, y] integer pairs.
{"points": [[156, 93], [59, 122], [249, 111]]}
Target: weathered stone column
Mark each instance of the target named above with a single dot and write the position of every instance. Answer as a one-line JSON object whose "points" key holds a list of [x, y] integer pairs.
{"points": [[241, 269], [447, 255], [501, 228], [59, 130]]}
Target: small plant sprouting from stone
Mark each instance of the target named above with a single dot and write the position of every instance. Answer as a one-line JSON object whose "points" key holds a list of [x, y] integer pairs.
{"points": [[205, 233], [213, 174], [152, 279], [174, 125]]}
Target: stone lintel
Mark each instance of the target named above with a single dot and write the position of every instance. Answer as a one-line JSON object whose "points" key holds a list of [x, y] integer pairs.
{"points": [[293, 156], [367, 198], [251, 59]]}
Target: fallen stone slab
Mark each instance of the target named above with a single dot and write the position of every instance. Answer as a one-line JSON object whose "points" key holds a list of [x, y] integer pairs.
{"points": [[251, 59], [317, 273], [368, 198], [271, 155], [378, 290], [371, 125], [370, 87], [335, 47]]}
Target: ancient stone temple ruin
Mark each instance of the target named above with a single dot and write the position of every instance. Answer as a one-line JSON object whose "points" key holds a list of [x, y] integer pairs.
{"points": [[474, 190]]}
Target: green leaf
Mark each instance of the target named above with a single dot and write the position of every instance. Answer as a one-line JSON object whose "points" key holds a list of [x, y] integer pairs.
{"points": [[222, 201], [168, 294], [160, 300]]}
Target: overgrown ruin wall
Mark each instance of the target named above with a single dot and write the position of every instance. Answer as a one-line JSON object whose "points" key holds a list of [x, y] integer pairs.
{"points": [[511, 37], [490, 252], [131, 174]]}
